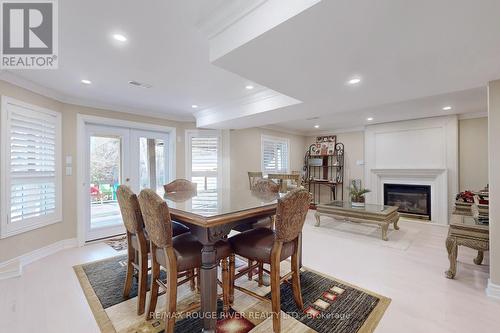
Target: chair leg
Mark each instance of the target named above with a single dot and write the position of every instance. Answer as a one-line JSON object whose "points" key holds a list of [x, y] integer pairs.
{"points": [[192, 282], [171, 299], [153, 297], [231, 277], [261, 274], [250, 272], [130, 272], [297, 293], [225, 284], [143, 283], [275, 286], [198, 279]]}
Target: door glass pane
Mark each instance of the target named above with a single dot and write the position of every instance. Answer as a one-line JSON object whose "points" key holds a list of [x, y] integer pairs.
{"points": [[152, 173], [105, 175]]}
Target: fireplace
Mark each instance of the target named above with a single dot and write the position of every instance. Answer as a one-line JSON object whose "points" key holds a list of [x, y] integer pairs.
{"points": [[412, 200]]}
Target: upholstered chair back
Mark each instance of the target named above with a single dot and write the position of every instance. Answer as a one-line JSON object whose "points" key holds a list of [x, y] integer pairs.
{"points": [[291, 214], [129, 207], [253, 177], [265, 185], [180, 185], [156, 218]]}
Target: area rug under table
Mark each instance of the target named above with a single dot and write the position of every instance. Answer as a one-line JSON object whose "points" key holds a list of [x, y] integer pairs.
{"points": [[330, 305]]}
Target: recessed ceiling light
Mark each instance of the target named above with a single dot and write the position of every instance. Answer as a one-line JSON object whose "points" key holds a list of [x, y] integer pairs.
{"points": [[249, 87], [194, 106], [120, 37], [354, 81], [139, 84], [316, 126], [84, 81], [369, 118], [447, 108]]}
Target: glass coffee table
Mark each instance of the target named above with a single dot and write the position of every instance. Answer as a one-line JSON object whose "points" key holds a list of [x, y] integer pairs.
{"points": [[380, 215]]}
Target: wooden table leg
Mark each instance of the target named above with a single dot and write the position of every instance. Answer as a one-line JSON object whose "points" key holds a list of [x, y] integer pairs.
{"points": [[396, 226], [479, 259], [452, 247], [317, 216], [208, 273], [384, 228]]}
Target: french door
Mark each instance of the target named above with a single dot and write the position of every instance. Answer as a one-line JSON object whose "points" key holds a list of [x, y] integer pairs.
{"points": [[115, 156]]}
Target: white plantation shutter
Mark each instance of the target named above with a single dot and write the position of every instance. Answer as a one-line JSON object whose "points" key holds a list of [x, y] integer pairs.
{"points": [[31, 139], [274, 154], [204, 152], [204, 148]]}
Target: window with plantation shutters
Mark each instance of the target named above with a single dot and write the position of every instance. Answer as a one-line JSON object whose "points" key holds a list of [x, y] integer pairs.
{"points": [[31, 173], [204, 156], [274, 154]]}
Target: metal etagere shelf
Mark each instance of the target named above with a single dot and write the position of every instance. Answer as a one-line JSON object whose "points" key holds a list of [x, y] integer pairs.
{"points": [[325, 171]]}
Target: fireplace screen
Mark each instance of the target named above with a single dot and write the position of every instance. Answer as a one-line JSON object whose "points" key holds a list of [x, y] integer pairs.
{"points": [[411, 199]]}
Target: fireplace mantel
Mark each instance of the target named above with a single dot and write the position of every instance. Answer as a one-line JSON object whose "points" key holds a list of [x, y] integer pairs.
{"points": [[409, 172], [437, 179], [414, 152]]}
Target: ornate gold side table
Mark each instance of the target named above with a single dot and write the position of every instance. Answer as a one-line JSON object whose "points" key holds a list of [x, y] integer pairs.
{"points": [[466, 232]]}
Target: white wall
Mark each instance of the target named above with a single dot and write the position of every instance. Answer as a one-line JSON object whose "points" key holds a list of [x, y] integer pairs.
{"points": [[246, 156], [494, 180], [473, 144]]}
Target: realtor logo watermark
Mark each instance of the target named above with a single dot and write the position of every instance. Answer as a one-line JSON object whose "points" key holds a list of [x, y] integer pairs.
{"points": [[29, 34]]}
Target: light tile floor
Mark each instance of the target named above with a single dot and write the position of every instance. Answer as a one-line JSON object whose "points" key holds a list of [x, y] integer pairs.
{"points": [[48, 298]]}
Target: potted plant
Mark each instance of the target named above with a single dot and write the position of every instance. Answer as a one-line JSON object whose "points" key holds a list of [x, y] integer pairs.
{"points": [[357, 194]]}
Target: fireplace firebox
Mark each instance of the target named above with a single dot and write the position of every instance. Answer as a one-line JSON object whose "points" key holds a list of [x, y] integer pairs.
{"points": [[412, 200]]}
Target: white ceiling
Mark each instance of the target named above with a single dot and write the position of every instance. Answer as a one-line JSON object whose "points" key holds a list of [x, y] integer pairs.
{"points": [[414, 58], [164, 49], [404, 51]]}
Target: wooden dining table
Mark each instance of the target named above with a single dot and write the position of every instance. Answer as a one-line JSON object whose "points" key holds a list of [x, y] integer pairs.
{"points": [[211, 215]]}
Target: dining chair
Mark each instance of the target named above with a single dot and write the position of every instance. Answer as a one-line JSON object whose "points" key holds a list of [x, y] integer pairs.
{"points": [[137, 244], [283, 178], [253, 177], [269, 246], [180, 185], [261, 187], [175, 255]]}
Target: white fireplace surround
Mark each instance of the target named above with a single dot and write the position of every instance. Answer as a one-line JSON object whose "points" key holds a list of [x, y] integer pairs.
{"points": [[437, 179], [414, 152]]}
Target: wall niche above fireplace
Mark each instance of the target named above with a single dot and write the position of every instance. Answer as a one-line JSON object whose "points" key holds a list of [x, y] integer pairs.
{"points": [[412, 200]]}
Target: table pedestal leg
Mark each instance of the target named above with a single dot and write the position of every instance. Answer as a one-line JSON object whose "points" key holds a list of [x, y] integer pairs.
{"points": [[208, 274]]}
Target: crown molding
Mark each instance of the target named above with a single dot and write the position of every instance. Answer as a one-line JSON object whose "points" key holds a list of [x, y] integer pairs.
{"points": [[70, 100], [258, 102], [224, 16], [473, 115], [284, 130], [336, 131]]}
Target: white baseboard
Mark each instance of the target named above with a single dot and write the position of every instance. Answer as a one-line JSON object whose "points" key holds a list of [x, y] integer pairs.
{"points": [[14, 267], [493, 290]]}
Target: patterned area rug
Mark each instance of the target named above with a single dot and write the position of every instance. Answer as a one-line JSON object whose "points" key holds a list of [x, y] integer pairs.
{"points": [[330, 305], [117, 243]]}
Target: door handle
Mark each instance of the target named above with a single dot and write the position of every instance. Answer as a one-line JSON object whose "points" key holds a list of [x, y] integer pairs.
{"points": [[127, 179]]}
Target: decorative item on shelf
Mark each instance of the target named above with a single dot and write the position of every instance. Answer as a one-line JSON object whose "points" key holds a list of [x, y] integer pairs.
{"points": [[357, 193], [480, 210]]}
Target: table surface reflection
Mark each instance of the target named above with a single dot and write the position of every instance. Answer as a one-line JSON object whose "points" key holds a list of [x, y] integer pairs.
{"points": [[207, 208]]}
